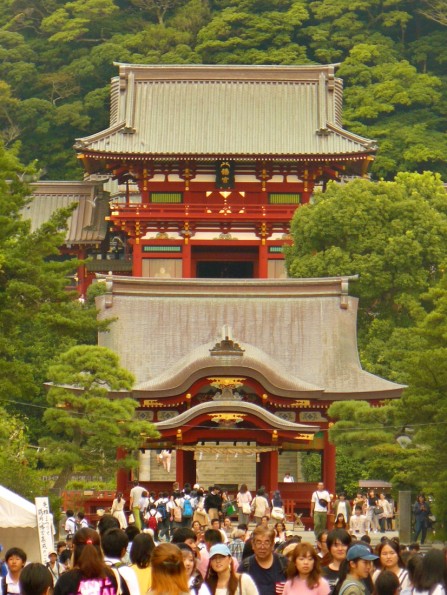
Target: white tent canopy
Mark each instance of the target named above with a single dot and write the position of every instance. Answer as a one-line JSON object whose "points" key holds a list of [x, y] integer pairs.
{"points": [[18, 524], [15, 511]]}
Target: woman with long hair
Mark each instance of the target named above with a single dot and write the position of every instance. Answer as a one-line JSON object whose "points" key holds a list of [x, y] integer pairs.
{"points": [[430, 576], [304, 574], [197, 585], [89, 574], [340, 522], [280, 532], [421, 513], [371, 516], [118, 510], [168, 571], [140, 555], [243, 500], [221, 577], [390, 559]]}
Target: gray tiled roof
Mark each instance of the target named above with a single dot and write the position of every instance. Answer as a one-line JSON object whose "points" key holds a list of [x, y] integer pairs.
{"points": [[254, 362], [300, 334], [87, 224], [226, 110]]}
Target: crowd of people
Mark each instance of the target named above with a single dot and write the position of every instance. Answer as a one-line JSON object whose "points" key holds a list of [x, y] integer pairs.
{"points": [[184, 556]]}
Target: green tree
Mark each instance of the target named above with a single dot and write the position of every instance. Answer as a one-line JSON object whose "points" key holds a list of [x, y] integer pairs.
{"points": [[38, 317], [248, 36], [436, 10], [79, 20], [370, 435], [389, 100], [17, 459], [350, 470], [376, 229], [88, 419], [392, 234]]}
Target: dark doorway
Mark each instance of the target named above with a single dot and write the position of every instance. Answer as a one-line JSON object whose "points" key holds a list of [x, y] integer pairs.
{"points": [[224, 270]]}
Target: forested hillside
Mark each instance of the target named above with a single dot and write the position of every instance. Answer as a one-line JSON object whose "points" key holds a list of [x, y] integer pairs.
{"points": [[56, 61]]}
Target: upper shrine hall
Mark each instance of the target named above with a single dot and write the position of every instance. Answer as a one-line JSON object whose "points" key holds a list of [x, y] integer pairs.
{"points": [[212, 162]]}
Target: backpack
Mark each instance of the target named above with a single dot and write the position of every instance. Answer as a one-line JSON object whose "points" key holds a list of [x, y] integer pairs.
{"points": [[177, 514], [187, 508], [161, 509], [151, 521]]}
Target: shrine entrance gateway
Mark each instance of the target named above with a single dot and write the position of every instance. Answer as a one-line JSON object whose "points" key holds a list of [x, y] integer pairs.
{"points": [[232, 432], [229, 464], [222, 366]]}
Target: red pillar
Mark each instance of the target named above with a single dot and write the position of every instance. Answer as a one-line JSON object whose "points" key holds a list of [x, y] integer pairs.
{"points": [[137, 263], [189, 469], [268, 465], [179, 466], [186, 260], [273, 470], [263, 260], [329, 467]]}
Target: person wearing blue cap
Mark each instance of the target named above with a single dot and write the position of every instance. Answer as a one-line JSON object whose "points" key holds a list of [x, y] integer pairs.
{"points": [[221, 577], [355, 570]]}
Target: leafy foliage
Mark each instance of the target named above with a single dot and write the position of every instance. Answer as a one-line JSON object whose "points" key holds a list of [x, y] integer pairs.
{"points": [[383, 231], [17, 460], [56, 61], [38, 317], [84, 426], [392, 234]]}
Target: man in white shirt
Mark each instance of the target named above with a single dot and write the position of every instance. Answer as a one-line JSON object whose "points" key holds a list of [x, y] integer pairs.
{"points": [[319, 508], [288, 478], [70, 524], [135, 494]]}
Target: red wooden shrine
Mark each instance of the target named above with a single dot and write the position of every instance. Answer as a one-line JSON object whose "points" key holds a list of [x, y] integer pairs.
{"points": [[208, 165]]}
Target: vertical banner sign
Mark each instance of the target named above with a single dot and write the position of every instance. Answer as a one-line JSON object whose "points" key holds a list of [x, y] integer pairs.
{"points": [[45, 527]]}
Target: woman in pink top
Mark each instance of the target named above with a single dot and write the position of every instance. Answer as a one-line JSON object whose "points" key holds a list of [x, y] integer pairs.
{"points": [[304, 573]]}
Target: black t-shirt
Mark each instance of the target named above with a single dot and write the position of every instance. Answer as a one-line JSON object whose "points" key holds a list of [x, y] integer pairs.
{"points": [[269, 581], [73, 583], [330, 575]]}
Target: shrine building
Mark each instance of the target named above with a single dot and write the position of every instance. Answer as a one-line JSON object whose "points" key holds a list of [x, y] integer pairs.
{"points": [[236, 365], [237, 376], [211, 163]]}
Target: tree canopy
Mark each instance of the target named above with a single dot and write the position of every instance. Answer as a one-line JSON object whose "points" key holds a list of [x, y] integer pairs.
{"points": [[56, 61], [85, 427], [393, 235], [39, 318]]}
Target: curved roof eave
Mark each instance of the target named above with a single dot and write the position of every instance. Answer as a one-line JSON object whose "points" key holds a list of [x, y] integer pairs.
{"points": [[233, 407], [254, 363]]}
